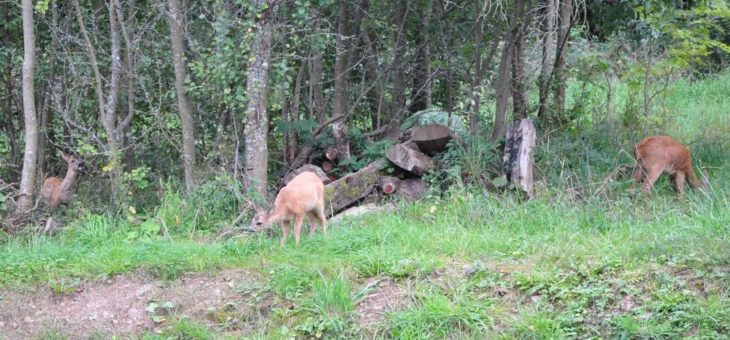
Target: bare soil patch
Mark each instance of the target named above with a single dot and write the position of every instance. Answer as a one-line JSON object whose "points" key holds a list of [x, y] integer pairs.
{"points": [[119, 306], [387, 297]]}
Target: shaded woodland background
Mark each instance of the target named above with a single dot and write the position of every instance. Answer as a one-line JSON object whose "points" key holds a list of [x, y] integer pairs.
{"points": [[223, 97]]}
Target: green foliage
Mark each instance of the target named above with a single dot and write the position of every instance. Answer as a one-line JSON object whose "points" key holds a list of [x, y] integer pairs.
{"points": [[470, 162], [438, 316], [289, 282], [330, 309]]}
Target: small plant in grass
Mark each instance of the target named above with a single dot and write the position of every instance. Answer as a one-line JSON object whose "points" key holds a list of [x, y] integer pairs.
{"points": [[167, 271], [288, 281], [159, 312], [440, 316], [182, 329], [329, 311], [64, 286]]}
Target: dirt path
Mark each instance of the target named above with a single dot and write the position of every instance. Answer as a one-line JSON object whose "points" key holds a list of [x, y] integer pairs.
{"points": [[131, 304], [126, 305]]}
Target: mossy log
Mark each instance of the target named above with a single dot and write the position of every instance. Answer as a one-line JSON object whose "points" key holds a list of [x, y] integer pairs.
{"points": [[347, 190]]}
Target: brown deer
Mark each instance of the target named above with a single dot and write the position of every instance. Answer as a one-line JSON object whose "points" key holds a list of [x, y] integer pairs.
{"points": [[658, 154], [56, 191], [303, 195]]}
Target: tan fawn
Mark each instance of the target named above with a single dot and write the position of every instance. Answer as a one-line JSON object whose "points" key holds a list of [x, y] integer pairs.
{"points": [[303, 195], [658, 154], [56, 191]]}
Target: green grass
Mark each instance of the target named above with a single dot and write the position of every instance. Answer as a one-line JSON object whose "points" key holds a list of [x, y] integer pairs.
{"points": [[468, 264]]}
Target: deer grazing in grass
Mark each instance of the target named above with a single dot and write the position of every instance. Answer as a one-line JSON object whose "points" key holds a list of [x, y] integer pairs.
{"points": [[658, 154], [56, 191], [303, 195]]}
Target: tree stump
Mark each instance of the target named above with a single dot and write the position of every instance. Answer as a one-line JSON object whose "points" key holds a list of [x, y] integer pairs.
{"points": [[347, 190], [410, 160], [518, 162]]}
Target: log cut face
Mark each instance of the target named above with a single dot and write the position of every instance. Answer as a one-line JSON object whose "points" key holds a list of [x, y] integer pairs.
{"points": [[431, 138], [410, 160], [518, 162], [347, 190]]}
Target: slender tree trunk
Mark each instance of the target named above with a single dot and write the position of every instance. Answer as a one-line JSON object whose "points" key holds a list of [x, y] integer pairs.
{"points": [[518, 68], [186, 116], [566, 9], [503, 87], [398, 67], [316, 77], [130, 66], [339, 130], [257, 120], [477, 80], [294, 114], [421, 89], [548, 46], [27, 179]]}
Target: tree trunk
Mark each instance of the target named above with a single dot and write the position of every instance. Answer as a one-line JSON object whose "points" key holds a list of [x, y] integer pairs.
{"points": [[421, 89], [548, 45], [130, 75], [294, 114], [566, 9], [518, 163], [339, 130], [503, 88], [257, 120], [27, 179], [476, 83], [186, 116], [521, 20], [398, 67], [317, 93]]}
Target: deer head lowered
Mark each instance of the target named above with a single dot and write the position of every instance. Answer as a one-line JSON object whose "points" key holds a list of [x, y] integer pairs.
{"points": [[56, 191], [302, 196], [659, 154]]}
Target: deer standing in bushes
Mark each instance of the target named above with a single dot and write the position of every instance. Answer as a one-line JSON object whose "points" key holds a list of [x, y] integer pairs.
{"points": [[56, 191], [658, 154], [303, 195]]}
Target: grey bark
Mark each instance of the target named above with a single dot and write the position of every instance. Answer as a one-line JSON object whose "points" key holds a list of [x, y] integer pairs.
{"points": [[421, 89], [548, 46], [27, 179], [186, 116], [566, 9], [339, 129], [518, 68], [503, 89], [257, 120]]}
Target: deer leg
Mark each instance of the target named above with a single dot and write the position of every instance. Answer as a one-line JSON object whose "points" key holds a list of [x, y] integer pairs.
{"points": [[651, 176], [284, 232], [322, 218], [312, 219], [679, 178], [298, 227]]}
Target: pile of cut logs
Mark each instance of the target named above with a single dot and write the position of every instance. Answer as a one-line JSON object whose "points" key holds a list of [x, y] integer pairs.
{"points": [[411, 159]]}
